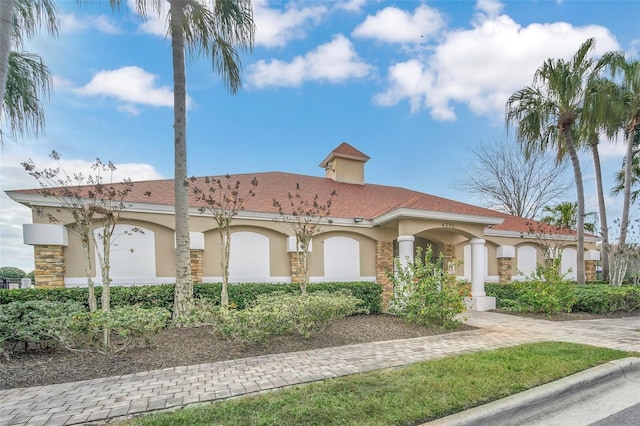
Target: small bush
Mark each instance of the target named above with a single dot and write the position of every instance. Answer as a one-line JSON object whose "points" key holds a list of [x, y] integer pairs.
{"points": [[130, 325], [424, 292], [279, 314], [31, 323]]}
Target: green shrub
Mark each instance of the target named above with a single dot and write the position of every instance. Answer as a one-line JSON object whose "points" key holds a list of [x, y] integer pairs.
{"points": [[148, 296], [601, 299], [549, 297], [128, 325], [279, 314], [31, 323], [424, 292], [506, 294]]}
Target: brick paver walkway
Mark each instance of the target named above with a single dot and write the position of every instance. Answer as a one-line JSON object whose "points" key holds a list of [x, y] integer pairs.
{"points": [[112, 397]]}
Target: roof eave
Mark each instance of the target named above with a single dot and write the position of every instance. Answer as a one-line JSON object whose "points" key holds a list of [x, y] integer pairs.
{"points": [[404, 213]]}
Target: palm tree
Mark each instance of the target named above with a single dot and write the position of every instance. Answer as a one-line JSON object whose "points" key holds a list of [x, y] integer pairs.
{"points": [[635, 178], [28, 81], [216, 29], [24, 72], [629, 104], [564, 215], [601, 96], [547, 115]]}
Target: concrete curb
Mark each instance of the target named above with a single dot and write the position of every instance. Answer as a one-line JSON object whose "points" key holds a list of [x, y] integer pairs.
{"points": [[503, 411]]}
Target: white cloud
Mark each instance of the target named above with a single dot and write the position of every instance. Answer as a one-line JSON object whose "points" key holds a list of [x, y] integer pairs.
{"points": [[132, 85], [275, 28], [394, 25], [335, 62], [350, 5], [482, 66], [13, 215], [69, 23]]}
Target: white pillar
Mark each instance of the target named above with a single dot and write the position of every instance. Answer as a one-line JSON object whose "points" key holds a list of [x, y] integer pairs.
{"points": [[479, 299], [405, 249], [477, 267]]}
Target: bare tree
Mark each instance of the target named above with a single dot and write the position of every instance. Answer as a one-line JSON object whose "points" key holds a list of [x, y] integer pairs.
{"points": [[92, 202], [305, 218], [514, 183], [223, 200]]}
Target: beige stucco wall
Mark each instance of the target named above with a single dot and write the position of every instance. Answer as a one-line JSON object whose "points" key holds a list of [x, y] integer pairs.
{"points": [[346, 170], [439, 233]]}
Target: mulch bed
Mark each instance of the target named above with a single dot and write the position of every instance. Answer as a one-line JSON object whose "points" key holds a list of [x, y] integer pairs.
{"points": [[198, 345]]}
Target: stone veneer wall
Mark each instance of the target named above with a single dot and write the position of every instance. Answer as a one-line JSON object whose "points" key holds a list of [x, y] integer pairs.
{"points": [[384, 266], [49, 263], [590, 270], [297, 268], [504, 269], [450, 259], [196, 266]]}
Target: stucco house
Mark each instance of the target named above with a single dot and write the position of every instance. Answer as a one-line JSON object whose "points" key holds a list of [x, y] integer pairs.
{"points": [[368, 227]]}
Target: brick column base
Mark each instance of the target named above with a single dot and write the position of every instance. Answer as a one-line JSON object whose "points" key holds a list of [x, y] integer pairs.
{"points": [[196, 266], [504, 269], [384, 267], [590, 270], [49, 262]]}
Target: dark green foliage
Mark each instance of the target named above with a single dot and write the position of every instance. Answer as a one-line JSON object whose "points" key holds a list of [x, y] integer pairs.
{"points": [[12, 272], [591, 298], [600, 299], [240, 295], [31, 322]]}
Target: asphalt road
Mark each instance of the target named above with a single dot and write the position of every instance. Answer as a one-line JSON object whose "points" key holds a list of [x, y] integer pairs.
{"points": [[627, 417]]}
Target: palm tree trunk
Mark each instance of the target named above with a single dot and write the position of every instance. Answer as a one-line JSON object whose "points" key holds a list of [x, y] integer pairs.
{"points": [[604, 228], [183, 298], [626, 202], [6, 34], [577, 173]]}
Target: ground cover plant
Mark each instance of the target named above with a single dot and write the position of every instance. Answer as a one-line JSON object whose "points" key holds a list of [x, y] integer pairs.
{"points": [[409, 395]]}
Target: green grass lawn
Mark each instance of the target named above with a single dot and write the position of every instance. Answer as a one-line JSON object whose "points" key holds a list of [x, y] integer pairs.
{"points": [[402, 396]]}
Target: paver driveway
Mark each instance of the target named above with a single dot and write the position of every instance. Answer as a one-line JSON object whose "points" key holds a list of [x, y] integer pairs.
{"points": [[112, 397]]}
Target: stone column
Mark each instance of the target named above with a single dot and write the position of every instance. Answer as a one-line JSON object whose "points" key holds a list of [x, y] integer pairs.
{"points": [[405, 249], [505, 255], [479, 299], [49, 263], [296, 259], [384, 267], [297, 269], [197, 270], [591, 258], [450, 259], [48, 241], [196, 241]]}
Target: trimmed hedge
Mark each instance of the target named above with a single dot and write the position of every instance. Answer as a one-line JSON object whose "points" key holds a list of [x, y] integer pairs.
{"points": [[590, 298], [240, 295], [599, 299]]}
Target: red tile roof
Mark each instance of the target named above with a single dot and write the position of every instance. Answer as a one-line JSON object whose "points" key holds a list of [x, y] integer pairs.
{"points": [[368, 201]]}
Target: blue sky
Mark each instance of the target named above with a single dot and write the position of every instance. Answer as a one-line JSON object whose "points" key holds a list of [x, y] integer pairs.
{"points": [[413, 84]]}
